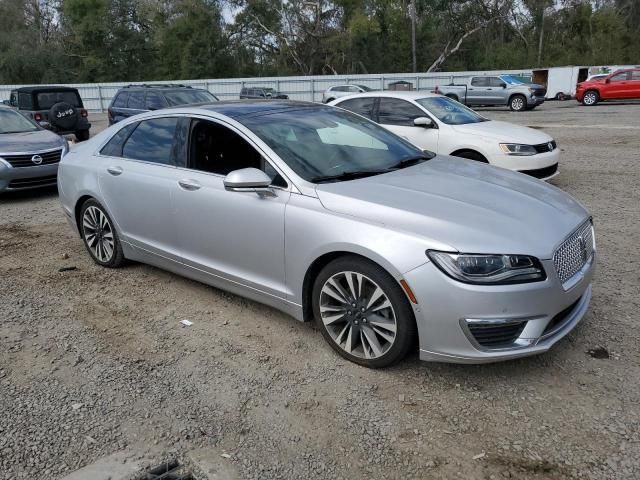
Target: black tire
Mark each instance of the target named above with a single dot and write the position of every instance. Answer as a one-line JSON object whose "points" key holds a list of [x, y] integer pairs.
{"points": [[518, 103], [452, 97], [82, 135], [405, 324], [471, 155], [64, 116], [590, 98], [116, 258]]}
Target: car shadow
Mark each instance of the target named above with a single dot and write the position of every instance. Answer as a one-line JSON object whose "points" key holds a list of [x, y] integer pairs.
{"points": [[20, 196]]}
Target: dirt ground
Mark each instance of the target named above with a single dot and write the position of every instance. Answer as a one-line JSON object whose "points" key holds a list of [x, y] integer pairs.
{"points": [[94, 361]]}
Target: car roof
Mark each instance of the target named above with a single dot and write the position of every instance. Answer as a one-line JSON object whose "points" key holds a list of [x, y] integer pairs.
{"points": [[161, 87], [244, 108], [412, 95], [45, 88]]}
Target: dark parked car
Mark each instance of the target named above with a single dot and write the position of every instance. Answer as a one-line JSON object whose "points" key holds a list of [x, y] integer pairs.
{"points": [[59, 109], [134, 99], [256, 93], [29, 154]]}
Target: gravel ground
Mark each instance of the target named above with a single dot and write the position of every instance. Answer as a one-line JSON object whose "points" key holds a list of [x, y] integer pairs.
{"points": [[93, 361]]}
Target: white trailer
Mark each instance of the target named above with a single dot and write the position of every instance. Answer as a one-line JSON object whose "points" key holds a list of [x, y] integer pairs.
{"points": [[560, 81]]}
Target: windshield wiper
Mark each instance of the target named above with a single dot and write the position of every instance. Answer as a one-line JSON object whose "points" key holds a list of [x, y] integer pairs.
{"points": [[349, 175], [414, 160]]}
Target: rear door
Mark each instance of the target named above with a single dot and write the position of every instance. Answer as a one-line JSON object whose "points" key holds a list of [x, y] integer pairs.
{"points": [[238, 236], [135, 104], [136, 175], [477, 91], [635, 84], [397, 115]]}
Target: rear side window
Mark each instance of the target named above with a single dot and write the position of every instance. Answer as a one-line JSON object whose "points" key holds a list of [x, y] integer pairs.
{"points": [[13, 100], [394, 111], [154, 101], [121, 100], [480, 81], [635, 75], [46, 100], [25, 101], [152, 141], [113, 148], [361, 106], [136, 100]]}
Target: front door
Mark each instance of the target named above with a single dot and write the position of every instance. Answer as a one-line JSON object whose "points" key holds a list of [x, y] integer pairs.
{"points": [[236, 236], [136, 175], [398, 115], [617, 86]]}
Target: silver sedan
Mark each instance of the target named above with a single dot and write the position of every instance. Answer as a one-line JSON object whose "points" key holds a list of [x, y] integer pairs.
{"points": [[327, 216]]}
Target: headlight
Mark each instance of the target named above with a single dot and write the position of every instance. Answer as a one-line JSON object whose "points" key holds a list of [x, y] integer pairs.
{"points": [[517, 149], [484, 269]]}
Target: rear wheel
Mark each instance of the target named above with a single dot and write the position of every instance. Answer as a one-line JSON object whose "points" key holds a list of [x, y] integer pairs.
{"points": [[363, 312], [590, 98], [518, 103], [100, 236]]}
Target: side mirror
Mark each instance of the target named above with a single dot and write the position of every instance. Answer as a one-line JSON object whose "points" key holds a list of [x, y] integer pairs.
{"points": [[503, 85], [248, 180], [608, 80], [423, 122]]}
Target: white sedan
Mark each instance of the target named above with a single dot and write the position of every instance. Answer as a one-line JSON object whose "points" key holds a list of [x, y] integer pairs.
{"points": [[442, 125]]}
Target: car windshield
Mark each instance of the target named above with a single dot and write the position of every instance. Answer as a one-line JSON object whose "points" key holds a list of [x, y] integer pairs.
{"points": [[511, 80], [365, 88], [333, 145], [187, 96], [46, 100], [14, 122], [449, 111]]}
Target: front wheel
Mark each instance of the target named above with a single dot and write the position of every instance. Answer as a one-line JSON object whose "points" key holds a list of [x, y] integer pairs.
{"points": [[363, 312], [590, 98], [100, 236], [518, 103]]}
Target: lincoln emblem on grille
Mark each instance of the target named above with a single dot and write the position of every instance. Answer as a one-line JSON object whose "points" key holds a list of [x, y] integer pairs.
{"points": [[36, 159], [583, 248]]}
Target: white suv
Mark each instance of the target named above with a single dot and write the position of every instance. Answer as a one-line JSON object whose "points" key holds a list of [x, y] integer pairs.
{"points": [[338, 91]]}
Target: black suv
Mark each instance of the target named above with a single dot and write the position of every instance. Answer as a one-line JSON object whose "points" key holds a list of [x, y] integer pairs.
{"points": [[59, 109], [134, 99]]}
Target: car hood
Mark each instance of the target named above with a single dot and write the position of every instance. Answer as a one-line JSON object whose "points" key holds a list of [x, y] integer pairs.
{"points": [[469, 206], [26, 142], [504, 132]]}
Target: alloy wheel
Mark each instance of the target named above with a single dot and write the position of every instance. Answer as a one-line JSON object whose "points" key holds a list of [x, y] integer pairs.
{"points": [[98, 233], [358, 315], [590, 98], [517, 103]]}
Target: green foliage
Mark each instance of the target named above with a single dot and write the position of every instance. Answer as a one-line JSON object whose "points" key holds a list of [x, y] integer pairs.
{"points": [[132, 40]]}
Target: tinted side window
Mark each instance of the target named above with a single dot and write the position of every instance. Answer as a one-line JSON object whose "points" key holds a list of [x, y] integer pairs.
{"points": [[361, 106], [480, 81], [154, 101], [25, 101], [152, 141], [136, 100], [216, 149], [121, 100], [13, 100], [620, 77], [394, 111], [496, 82], [113, 148], [635, 75]]}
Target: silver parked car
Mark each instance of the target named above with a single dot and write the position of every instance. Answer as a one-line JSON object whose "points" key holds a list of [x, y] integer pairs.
{"points": [[338, 91], [29, 154], [325, 215]]}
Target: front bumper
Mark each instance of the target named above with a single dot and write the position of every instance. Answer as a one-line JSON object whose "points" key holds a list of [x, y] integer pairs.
{"points": [[534, 165], [533, 101], [26, 178], [447, 307]]}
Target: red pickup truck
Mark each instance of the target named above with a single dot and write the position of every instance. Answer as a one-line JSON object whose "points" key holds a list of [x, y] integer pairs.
{"points": [[622, 84]]}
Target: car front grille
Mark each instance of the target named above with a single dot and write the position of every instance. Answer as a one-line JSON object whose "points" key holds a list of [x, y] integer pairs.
{"points": [[26, 160], [546, 147], [542, 172], [496, 335], [33, 182], [574, 253]]}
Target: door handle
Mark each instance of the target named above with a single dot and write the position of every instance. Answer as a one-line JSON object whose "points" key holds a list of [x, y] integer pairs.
{"points": [[115, 171], [189, 184]]}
